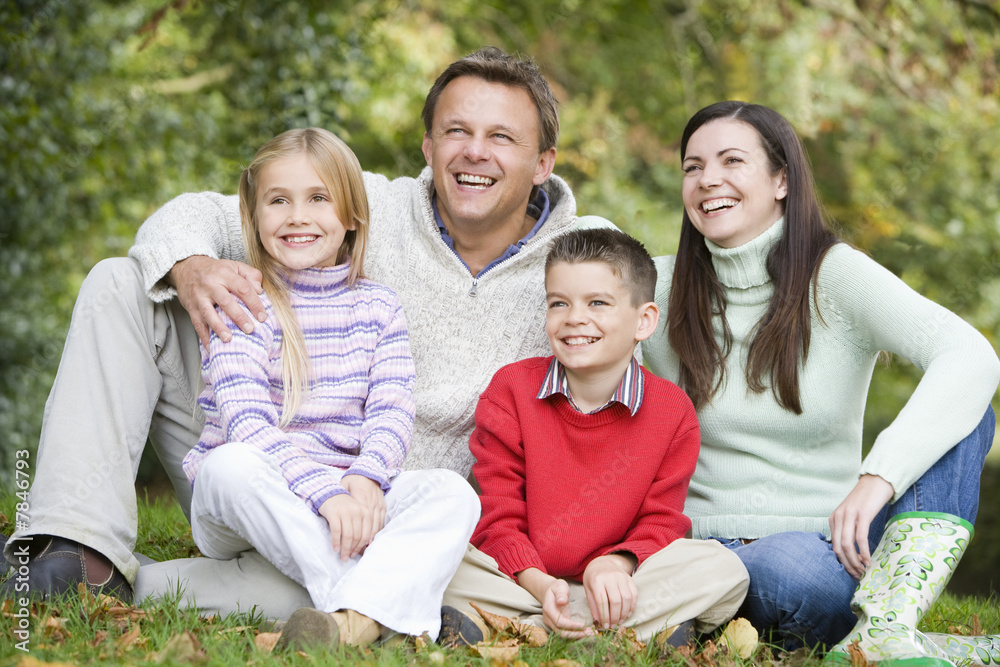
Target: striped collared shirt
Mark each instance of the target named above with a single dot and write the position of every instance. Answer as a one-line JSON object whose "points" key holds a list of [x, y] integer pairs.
{"points": [[629, 392]]}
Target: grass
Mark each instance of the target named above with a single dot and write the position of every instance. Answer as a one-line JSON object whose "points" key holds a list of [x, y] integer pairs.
{"points": [[78, 629]]}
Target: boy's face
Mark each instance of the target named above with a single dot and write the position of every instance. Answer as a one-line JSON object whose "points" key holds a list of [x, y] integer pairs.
{"points": [[590, 320]]}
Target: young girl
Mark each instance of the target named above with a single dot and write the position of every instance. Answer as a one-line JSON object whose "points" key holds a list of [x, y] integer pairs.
{"points": [[308, 418]]}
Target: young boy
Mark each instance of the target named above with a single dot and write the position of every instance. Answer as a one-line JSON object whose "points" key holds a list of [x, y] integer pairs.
{"points": [[584, 461]]}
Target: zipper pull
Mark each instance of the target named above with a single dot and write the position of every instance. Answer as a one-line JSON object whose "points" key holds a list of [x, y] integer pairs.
{"points": [[474, 291]]}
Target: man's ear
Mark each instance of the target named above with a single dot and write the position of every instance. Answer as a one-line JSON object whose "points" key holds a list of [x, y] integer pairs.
{"points": [[543, 169], [649, 317], [427, 147]]}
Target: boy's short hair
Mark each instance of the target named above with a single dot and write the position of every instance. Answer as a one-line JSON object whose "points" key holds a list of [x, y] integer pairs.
{"points": [[628, 258]]}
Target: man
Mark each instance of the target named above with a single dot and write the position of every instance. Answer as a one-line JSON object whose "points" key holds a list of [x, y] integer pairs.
{"points": [[463, 244]]}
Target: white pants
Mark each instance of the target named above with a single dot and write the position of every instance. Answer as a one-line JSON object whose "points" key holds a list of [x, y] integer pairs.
{"points": [[241, 501]]}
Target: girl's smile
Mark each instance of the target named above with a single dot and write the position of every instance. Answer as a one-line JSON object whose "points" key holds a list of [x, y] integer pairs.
{"points": [[297, 217]]}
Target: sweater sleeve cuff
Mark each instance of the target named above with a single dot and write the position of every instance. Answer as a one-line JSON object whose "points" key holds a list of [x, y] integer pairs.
{"points": [[517, 557], [316, 501]]}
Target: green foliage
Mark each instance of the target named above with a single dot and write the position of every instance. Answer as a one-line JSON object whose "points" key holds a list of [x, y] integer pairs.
{"points": [[111, 107]]}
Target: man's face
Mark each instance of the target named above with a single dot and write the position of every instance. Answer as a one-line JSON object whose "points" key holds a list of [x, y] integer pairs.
{"points": [[483, 150]]}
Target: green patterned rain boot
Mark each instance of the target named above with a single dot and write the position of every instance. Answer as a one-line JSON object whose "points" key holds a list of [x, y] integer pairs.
{"points": [[960, 649], [910, 567]]}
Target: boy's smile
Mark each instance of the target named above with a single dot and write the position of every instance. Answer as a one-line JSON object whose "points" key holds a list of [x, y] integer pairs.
{"points": [[591, 323]]}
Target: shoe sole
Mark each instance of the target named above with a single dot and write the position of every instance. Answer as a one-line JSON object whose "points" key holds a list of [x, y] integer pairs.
{"points": [[309, 628]]}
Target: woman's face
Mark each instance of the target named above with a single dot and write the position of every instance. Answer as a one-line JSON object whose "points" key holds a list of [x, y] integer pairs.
{"points": [[729, 192]]}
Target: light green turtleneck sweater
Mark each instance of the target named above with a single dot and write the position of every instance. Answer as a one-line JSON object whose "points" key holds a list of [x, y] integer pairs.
{"points": [[763, 469]]}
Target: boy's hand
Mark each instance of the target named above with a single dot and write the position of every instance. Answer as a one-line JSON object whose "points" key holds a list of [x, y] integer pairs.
{"points": [[371, 496], [611, 592], [346, 517], [554, 595]]}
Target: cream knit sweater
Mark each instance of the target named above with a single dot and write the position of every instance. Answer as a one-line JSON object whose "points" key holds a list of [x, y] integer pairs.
{"points": [[461, 329], [763, 469]]}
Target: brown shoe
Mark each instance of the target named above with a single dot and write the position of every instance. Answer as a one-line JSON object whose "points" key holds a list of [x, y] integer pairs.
{"points": [[57, 569], [310, 628]]}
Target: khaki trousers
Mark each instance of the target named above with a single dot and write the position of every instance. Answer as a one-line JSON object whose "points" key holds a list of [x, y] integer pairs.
{"points": [[688, 579]]}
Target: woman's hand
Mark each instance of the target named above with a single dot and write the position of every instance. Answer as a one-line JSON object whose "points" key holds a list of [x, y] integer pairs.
{"points": [[371, 496], [850, 522], [611, 592], [203, 282]]}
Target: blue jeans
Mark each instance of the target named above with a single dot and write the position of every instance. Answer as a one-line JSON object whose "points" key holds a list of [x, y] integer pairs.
{"points": [[799, 591]]}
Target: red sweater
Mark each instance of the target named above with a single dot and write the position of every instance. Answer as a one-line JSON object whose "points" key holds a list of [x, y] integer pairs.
{"points": [[560, 488]]}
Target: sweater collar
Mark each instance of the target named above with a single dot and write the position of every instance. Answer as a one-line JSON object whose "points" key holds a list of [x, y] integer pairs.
{"points": [[745, 266], [317, 281]]}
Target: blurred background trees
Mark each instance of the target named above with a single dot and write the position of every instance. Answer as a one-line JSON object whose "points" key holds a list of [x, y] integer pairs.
{"points": [[111, 107]]}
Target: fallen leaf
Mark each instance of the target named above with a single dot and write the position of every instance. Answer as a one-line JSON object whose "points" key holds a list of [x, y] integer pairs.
{"points": [[126, 641], [627, 639], [28, 661], [183, 647], [99, 638], [498, 653], [266, 641], [858, 657], [977, 628], [740, 637], [503, 626], [561, 662]]}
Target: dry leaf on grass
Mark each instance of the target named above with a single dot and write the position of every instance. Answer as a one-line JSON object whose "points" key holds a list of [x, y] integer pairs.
{"points": [[740, 637], [561, 662], [183, 647], [858, 657], [524, 633], [266, 641], [129, 639], [626, 638], [498, 653], [28, 661]]}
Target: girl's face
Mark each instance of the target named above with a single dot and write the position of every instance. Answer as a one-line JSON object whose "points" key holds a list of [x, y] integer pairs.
{"points": [[297, 216], [729, 192]]}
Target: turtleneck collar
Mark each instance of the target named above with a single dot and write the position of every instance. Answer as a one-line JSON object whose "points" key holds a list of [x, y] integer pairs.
{"points": [[745, 266], [316, 281]]}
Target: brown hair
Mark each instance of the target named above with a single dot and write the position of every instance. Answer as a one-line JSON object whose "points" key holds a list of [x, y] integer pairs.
{"points": [[781, 338], [496, 66], [626, 257], [340, 171]]}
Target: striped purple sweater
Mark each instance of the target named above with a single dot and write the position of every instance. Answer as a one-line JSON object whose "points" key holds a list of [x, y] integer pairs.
{"points": [[357, 417]]}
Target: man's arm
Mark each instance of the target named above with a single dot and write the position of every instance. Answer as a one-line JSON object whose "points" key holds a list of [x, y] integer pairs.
{"points": [[193, 247]]}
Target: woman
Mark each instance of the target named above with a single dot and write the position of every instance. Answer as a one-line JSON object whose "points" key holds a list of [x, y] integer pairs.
{"points": [[773, 328]]}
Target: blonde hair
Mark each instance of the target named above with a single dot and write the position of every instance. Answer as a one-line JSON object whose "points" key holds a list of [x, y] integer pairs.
{"points": [[340, 171]]}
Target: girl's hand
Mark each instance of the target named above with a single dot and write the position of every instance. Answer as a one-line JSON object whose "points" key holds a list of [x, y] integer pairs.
{"points": [[611, 592], [371, 496], [850, 522], [347, 518]]}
